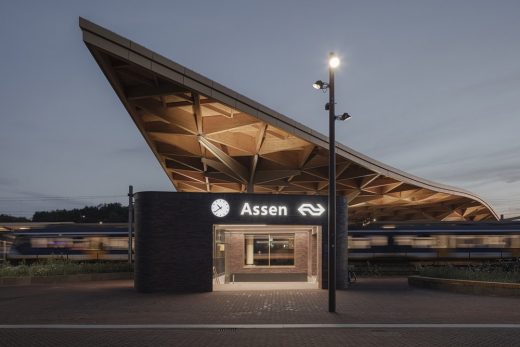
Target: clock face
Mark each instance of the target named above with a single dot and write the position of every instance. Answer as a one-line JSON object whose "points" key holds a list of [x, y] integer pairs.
{"points": [[220, 208]]}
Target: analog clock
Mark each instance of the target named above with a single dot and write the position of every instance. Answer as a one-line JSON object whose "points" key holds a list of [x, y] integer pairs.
{"points": [[220, 208]]}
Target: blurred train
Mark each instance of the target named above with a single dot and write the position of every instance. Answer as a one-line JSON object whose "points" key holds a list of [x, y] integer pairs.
{"points": [[447, 241], [435, 241], [66, 240]]}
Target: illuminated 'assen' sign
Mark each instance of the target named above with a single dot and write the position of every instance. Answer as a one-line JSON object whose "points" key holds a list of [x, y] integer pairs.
{"points": [[305, 209], [263, 210]]}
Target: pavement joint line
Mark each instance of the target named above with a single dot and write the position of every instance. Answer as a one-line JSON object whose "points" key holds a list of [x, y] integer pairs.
{"points": [[258, 326]]}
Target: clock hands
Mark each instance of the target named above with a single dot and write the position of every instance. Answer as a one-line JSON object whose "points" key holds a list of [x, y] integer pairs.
{"points": [[220, 208]]}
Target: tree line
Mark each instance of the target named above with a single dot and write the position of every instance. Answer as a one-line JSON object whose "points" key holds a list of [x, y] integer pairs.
{"points": [[107, 213]]}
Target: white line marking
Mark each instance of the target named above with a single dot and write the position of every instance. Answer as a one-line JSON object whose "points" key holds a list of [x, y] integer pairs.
{"points": [[260, 326]]}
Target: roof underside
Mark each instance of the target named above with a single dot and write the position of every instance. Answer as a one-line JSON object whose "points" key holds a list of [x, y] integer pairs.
{"points": [[209, 138]]}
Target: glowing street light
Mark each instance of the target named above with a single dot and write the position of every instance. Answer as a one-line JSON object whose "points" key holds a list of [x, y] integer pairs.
{"points": [[334, 62]]}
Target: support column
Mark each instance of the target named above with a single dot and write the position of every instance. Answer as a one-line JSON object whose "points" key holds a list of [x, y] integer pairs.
{"points": [[249, 251]]}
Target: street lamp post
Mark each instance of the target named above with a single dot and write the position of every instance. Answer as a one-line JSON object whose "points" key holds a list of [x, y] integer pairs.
{"points": [[330, 106], [332, 189]]}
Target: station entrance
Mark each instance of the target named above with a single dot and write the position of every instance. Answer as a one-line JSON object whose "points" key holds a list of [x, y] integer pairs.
{"points": [[187, 242], [260, 256]]}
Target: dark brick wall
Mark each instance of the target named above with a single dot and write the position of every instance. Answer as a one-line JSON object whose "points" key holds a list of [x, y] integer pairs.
{"points": [[173, 243], [173, 235]]}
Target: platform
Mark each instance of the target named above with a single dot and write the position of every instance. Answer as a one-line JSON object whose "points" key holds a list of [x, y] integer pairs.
{"points": [[373, 311]]}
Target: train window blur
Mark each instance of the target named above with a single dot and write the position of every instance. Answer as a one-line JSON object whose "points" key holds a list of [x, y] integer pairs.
{"points": [[91, 243], [473, 241], [118, 243], [429, 241], [416, 241], [367, 242], [39, 242], [494, 241]]}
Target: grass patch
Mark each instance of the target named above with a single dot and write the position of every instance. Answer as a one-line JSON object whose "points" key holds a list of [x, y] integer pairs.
{"points": [[54, 267], [507, 272]]}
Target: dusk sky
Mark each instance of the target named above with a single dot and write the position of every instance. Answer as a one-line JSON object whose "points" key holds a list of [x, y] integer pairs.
{"points": [[433, 88]]}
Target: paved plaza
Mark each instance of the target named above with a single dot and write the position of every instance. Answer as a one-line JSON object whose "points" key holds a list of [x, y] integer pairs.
{"points": [[373, 311]]}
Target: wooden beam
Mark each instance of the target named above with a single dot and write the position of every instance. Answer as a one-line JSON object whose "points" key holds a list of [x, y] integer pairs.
{"points": [[239, 170], [307, 153], [176, 162], [251, 184], [275, 183], [189, 103], [144, 91], [352, 195], [365, 198], [340, 168], [190, 175], [260, 138], [365, 181], [355, 171], [215, 125], [263, 176], [219, 110], [220, 177], [217, 165], [243, 143], [159, 126], [322, 185], [197, 112], [381, 181], [192, 185], [182, 119], [167, 149]]}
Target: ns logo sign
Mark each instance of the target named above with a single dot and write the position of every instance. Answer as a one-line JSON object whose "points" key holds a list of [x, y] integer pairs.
{"points": [[312, 210]]}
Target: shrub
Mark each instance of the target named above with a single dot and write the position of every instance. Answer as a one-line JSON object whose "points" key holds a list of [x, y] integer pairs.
{"points": [[493, 272], [54, 267]]}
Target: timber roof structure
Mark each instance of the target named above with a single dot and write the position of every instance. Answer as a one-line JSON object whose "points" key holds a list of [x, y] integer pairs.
{"points": [[209, 138]]}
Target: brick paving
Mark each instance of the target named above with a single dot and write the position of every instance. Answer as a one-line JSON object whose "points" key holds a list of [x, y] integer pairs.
{"points": [[271, 338], [369, 301]]}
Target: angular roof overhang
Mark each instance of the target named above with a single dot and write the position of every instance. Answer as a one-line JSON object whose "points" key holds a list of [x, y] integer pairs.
{"points": [[209, 138]]}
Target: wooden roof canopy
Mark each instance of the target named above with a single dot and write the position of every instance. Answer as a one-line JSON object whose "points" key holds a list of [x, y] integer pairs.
{"points": [[209, 138]]}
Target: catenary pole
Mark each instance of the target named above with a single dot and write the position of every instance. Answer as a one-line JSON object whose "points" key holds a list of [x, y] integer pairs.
{"points": [[130, 221]]}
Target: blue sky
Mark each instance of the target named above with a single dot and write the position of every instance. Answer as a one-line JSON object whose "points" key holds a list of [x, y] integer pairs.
{"points": [[433, 88]]}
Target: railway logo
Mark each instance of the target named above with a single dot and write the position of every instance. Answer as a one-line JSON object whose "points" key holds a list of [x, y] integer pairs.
{"points": [[311, 209]]}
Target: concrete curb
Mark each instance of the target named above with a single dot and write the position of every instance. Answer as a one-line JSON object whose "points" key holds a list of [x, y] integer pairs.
{"points": [[466, 286], [27, 280]]}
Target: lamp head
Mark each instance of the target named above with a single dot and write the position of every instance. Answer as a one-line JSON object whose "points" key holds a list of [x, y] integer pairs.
{"points": [[344, 116], [320, 85]]}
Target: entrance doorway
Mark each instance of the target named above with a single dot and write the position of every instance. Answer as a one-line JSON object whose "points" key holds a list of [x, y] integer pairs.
{"points": [[259, 257]]}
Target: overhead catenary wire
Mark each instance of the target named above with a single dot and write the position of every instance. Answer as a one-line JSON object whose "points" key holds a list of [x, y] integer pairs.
{"points": [[84, 197]]}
